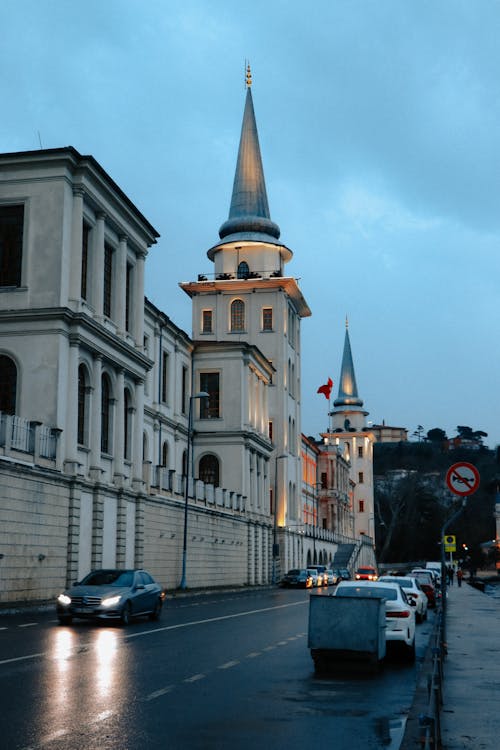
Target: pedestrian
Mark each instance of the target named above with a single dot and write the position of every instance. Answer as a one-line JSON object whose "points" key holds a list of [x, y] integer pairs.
{"points": [[460, 575], [450, 573]]}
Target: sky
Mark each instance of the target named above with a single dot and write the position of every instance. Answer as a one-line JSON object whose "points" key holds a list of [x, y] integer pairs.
{"points": [[379, 130]]}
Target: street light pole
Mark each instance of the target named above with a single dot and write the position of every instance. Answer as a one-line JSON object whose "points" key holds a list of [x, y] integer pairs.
{"points": [[202, 394]]}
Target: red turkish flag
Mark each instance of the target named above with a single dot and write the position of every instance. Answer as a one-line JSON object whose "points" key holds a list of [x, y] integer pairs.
{"points": [[326, 389]]}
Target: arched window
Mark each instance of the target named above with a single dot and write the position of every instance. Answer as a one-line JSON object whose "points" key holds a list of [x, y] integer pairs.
{"points": [[126, 423], [83, 405], [105, 414], [8, 385], [164, 454], [243, 270], [237, 315], [208, 469]]}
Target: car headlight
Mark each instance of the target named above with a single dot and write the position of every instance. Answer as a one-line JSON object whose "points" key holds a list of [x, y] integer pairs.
{"points": [[64, 599], [111, 601]]}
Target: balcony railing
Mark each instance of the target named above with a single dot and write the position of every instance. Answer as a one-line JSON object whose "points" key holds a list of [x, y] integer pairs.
{"points": [[27, 436]]}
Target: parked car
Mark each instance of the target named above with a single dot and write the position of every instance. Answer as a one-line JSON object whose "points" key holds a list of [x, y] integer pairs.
{"points": [[366, 573], [298, 578], [426, 581], [413, 591], [399, 611], [317, 578], [321, 571], [344, 574], [109, 594]]}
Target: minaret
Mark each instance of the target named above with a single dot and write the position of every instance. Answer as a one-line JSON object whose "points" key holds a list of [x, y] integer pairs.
{"points": [[249, 298], [347, 408], [350, 433]]}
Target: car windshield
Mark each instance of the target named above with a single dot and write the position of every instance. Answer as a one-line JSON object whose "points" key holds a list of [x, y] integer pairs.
{"points": [[403, 582], [294, 572], [379, 591], [109, 578]]}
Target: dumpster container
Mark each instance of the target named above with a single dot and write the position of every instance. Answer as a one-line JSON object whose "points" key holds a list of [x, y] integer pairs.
{"points": [[346, 628]]}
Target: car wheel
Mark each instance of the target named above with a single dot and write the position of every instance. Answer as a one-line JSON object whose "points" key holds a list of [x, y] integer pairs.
{"points": [[155, 614], [410, 652], [126, 614], [65, 619]]}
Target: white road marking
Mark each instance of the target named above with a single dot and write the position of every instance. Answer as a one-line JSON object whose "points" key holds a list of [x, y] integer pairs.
{"points": [[194, 678], [253, 654], [27, 625], [228, 665], [158, 693], [22, 658]]}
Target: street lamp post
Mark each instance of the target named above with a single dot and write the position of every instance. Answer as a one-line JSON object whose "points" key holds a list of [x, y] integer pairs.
{"points": [[202, 394]]}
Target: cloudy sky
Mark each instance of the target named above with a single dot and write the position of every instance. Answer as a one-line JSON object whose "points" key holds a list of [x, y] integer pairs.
{"points": [[379, 125]]}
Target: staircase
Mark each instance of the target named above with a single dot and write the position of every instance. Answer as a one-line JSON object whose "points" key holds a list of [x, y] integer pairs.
{"points": [[343, 555]]}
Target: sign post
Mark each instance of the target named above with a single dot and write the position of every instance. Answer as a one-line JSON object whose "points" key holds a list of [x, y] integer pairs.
{"points": [[463, 480]]}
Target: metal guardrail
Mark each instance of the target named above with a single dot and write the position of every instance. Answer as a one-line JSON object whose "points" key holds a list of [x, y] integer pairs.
{"points": [[430, 721]]}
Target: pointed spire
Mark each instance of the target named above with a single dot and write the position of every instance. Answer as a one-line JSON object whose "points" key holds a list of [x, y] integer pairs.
{"points": [[249, 216], [348, 390]]}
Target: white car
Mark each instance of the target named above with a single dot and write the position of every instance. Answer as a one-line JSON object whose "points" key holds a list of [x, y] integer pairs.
{"points": [[414, 591], [399, 611], [315, 576]]}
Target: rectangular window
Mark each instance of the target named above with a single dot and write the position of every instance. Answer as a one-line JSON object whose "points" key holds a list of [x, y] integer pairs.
{"points": [[267, 318], [128, 297], [209, 407], [108, 279], [360, 452], [11, 244], [360, 477], [324, 480], [270, 430], [164, 377], [184, 389], [206, 324], [85, 259], [361, 506]]}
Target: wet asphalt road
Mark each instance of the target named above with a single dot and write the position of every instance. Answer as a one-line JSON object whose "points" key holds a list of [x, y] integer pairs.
{"points": [[218, 671]]}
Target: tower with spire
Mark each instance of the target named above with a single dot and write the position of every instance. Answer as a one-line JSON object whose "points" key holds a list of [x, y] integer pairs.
{"points": [[249, 298], [350, 434]]}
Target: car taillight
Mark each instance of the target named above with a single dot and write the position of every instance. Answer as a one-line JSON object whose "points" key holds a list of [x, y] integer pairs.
{"points": [[404, 613]]}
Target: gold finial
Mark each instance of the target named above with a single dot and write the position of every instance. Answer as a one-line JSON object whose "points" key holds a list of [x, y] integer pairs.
{"points": [[248, 76]]}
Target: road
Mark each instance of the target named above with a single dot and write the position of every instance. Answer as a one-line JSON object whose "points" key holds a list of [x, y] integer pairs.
{"points": [[218, 671]]}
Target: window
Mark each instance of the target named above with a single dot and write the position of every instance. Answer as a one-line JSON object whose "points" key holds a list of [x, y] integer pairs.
{"points": [[85, 259], [11, 244], [164, 377], [267, 318], [8, 385], [324, 480], [108, 280], [206, 323], [126, 424], [360, 477], [270, 430], [208, 469], [164, 454], [360, 451], [82, 404], [184, 389], [128, 296], [243, 270], [105, 414], [361, 506], [209, 407], [238, 315]]}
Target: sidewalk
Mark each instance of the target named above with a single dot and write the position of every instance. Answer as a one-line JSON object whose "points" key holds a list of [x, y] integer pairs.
{"points": [[470, 719]]}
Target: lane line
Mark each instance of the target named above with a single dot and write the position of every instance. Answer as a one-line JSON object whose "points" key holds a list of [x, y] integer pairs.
{"points": [[194, 678], [158, 693], [27, 625], [228, 665]]}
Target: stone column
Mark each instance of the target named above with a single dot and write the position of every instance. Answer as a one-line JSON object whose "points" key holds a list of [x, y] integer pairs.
{"points": [[70, 435], [97, 282], [121, 286], [119, 428], [95, 423], [75, 269]]}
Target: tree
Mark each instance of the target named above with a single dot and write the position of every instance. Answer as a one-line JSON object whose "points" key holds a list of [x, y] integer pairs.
{"points": [[437, 435], [418, 433], [470, 435]]}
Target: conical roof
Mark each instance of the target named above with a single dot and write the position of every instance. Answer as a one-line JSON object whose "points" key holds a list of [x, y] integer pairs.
{"points": [[249, 216], [348, 390]]}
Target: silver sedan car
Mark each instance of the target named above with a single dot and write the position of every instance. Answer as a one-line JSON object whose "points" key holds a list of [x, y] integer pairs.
{"points": [[111, 594]]}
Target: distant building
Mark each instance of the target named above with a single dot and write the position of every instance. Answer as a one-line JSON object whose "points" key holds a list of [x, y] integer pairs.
{"points": [[387, 434]]}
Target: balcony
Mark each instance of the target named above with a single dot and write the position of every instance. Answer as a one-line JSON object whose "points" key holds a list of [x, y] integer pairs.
{"points": [[28, 440]]}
